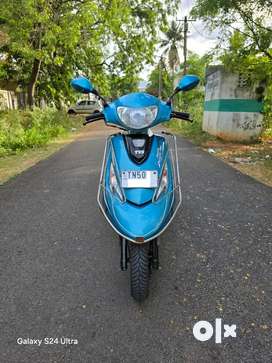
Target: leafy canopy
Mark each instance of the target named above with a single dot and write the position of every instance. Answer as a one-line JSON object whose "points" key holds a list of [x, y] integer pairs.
{"points": [[109, 41]]}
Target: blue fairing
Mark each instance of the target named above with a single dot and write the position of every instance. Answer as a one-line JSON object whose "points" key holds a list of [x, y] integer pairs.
{"points": [[137, 100], [153, 162], [139, 215]]}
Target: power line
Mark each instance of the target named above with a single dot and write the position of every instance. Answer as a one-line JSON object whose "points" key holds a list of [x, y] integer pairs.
{"points": [[202, 34]]}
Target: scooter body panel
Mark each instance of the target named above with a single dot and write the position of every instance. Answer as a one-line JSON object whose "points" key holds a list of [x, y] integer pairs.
{"points": [[154, 161], [139, 215]]}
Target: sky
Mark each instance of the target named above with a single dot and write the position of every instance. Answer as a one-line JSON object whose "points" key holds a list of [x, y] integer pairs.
{"points": [[199, 40]]}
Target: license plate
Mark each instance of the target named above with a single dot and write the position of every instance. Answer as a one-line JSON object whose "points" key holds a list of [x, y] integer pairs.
{"points": [[139, 179]]}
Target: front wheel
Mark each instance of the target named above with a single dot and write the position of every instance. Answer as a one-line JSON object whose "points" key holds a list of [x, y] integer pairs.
{"points": [[139, 258]]}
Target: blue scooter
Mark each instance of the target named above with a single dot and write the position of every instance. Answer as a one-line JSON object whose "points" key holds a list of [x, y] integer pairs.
{"points": [[139, 189]]}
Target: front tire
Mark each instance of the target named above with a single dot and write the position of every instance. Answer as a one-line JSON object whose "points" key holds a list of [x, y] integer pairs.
{"points": [[139, 270]]}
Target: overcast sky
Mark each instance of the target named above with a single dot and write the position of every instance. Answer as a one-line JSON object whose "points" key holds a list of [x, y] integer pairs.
{"points": [[199, 38]]}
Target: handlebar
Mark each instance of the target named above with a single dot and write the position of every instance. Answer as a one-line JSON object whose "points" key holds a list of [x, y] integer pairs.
{"points": [[94, 117], [181, 115]]}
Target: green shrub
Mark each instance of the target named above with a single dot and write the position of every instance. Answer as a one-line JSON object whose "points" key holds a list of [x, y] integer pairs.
{"points": [[194, 104], [20, 130]]}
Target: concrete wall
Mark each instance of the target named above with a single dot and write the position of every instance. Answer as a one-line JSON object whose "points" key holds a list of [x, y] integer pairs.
{"points": [[231, 111]]}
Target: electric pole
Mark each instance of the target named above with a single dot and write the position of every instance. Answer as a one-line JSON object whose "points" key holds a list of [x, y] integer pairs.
{"points": [[185, 31], [185, 34]]}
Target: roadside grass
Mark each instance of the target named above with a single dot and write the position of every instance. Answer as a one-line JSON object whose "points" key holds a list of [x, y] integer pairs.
{"points": [[192, 130], [251, 159], [22, 130], [267, 134], [27, 137]]}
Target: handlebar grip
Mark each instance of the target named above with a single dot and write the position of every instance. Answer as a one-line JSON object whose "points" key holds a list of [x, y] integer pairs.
{"points": [[94, 117], [181, 115]]}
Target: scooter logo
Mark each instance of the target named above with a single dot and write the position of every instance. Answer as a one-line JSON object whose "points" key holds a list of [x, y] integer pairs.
{"points": [[203, 330]]}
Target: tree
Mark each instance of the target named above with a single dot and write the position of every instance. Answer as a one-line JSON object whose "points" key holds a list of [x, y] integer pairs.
{"points": [[196, 65], [248, 17], [171, 45], [193, 101], [51, 40], [160, 81], [246, 39]]}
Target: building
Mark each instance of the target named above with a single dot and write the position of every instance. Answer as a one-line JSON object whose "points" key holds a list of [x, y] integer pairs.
{"points": [[233, 105]]}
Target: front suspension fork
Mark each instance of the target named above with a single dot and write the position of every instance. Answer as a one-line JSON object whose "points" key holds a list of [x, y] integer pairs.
{"points": [[153, 254], [124, 253]]}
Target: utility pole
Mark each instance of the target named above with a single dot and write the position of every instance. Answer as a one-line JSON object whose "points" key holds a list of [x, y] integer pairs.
{"points": [[185, 35], [185, 31]]}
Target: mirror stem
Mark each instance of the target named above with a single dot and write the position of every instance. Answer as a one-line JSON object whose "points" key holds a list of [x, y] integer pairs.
{"points": [[169, 101], [96, 93]]}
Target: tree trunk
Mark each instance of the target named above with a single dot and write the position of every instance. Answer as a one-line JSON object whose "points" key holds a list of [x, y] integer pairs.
{"points": [[32, 82], [160, 80], [37, 45], [173, 83]]}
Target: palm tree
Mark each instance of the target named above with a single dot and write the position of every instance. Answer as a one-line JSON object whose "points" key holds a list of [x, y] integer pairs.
{"points": [[171, 45]]}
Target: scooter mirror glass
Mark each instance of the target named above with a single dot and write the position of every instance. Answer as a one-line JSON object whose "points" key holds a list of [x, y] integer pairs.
{"points": [[187, 82], [82, 84]]}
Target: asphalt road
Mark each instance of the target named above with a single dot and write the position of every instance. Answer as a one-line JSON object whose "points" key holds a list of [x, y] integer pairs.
{"points": [[60, 277]]}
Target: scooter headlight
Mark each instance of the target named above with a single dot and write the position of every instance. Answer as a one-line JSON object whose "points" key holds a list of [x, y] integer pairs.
{"points": [[137, 117], [163, 182], [114, 185]]}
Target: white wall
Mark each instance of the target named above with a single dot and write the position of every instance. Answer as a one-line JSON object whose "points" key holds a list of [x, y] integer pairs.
{"points": [[236, 126]]}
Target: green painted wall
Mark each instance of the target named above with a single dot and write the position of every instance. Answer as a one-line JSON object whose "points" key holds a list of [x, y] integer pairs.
{"points": [[233, 105]]}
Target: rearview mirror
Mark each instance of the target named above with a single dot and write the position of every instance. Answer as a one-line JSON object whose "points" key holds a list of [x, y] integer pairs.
{"points": [[187, 82], [82, 84]]}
